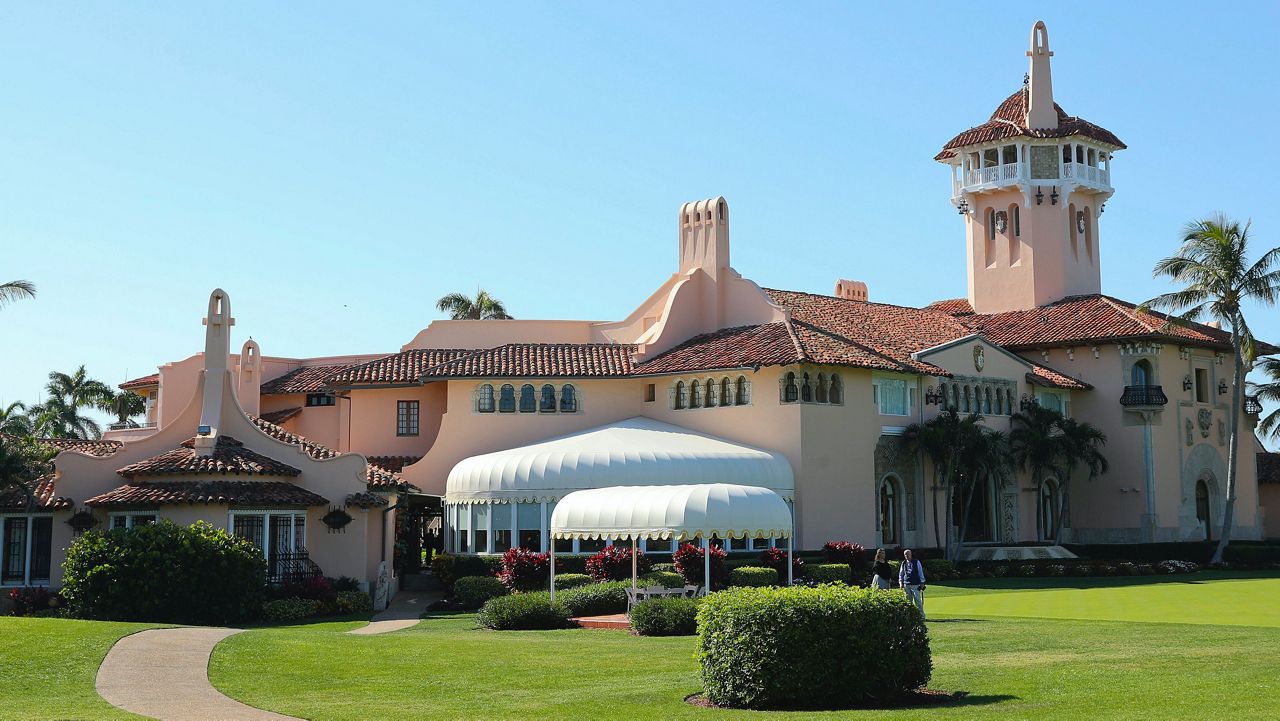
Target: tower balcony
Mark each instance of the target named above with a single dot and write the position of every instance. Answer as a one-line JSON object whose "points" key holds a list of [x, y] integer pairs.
{"points": [[1140, 398], [1006, 175]]}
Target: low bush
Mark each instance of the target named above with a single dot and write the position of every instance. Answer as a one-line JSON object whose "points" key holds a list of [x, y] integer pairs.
{"points": [[938, 569], [671, 567], [442, 569], [776, 558], [753, 576], [1176, 567], [286, 610], [566, 581], [524, 570], [1056, 570], [666, 579], [523, 612], [33, 600], [689, 560], [316, 588], [472, 591], [344, 583], [828, 573], [845, 552], [1256, 556], [598, 599], [808, 648], [614, 563], [353, 602], [1082, 569], [165, 573], [665, 617]]}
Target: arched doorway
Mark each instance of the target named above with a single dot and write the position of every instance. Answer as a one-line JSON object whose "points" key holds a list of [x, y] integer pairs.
{"points": [[1202, 509], [1048, 509], [890, 518]]}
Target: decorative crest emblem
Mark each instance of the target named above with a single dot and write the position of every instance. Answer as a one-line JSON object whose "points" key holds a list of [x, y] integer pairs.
{"points": [[979, 358]]}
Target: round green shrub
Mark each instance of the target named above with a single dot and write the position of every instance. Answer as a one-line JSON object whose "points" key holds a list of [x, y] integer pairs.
{"points": [[566, 581], [353, 602], [810, 648], [664, 567], [666, 579], [598, 599], [165, 573], [938, 569], [665, 617], [473, 591], [755, 576], [523, 612], [828, 572], [287, 610]]}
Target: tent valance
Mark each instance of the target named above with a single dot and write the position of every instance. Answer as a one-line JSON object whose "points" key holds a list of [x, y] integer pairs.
{"points": [[635, 452], [663, 512]]}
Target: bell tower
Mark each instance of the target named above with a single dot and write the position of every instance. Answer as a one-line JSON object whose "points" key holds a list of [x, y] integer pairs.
{"points": [[1030, 184]]}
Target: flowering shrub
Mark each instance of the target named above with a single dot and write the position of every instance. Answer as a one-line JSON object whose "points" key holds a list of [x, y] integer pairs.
{"points": [[316, 588], [1057, 570], [689, 563], [525, 570], [33, 600], [844, 552], [776, 558], [1027, 570], [1177, 567], [1083, 569], [614, 564]]}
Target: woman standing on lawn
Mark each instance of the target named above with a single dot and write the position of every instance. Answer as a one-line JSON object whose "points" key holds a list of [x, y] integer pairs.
{"points": [[881, 571]]}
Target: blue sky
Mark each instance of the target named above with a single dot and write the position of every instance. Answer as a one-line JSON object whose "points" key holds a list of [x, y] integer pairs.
{"points": [[338, 169]]}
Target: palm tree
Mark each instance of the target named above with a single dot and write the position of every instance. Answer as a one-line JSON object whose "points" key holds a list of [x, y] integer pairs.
{"points": [[985, 456], [946, 438], [16, 290], [125, 405], [14, 420], [1269, 391], [930, 440], [1212, 266], [482, 307], [1081, 445], [1035, 446], [59, 416]]}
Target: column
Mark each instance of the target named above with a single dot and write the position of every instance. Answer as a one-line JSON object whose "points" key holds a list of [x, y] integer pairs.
{"points": [[1149, 520]]}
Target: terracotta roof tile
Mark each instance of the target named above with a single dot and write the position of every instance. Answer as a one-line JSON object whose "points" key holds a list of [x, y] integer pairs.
{"points": [[143, 382], [951, 306], [280, 416], [229, 456], [365, 499], [1050, 378], [1268, 467], [398, 368], [540, 360], [394, 464], [89, 447], [1009, 121], [14, 499], [741, 347], [377, 478], [307, 379], [232, 493]]}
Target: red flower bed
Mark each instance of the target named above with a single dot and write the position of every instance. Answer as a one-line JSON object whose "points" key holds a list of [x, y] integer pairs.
{"points": [[525, 570], [614, 564], [844, 552], [689, 563], [776, 558]]}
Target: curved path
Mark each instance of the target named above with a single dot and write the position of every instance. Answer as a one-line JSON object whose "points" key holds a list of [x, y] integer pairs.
{"points": [[164, 673], [405, 611]]}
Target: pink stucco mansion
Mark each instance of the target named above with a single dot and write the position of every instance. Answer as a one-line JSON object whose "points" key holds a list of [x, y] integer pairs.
{"points": [[711, 378]]}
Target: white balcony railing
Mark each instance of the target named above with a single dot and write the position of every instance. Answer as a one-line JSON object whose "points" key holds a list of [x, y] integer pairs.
{"points": [[996, 176], [1087, 174]]}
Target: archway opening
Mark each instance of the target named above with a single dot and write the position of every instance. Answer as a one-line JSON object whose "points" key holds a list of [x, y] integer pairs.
{"points": [[1202, 509]]}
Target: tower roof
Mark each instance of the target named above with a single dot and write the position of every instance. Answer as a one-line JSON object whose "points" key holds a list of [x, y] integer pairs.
{"points": [[1010, 121]]}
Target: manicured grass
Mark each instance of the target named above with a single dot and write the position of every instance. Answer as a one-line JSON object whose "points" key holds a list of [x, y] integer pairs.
{"points": [[1012, 667], [47, 668]]}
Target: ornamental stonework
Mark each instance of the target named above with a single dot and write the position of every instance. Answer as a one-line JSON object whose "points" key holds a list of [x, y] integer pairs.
{"points": [[892, 458]]}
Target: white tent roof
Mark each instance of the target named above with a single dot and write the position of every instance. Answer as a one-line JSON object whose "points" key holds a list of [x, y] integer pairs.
{"points": [[720, 509], [635, 452]]}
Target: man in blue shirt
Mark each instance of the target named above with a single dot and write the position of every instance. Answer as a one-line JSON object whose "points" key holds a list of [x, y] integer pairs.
{"points": [[911, 578]]}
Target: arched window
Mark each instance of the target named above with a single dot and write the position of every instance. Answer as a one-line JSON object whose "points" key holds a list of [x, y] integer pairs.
{"points": [[679, 401], [507, 399], [790, 392], [1015, 244], [1141, 373], [1016, 214], [548, 403], [695, 394], [989, 246], [528, 399], [568, 399], [742, 392], [889, 512], [1202, 509], [820, 394], [986, 400], [806, 390], [713, 393], [966, 403], [1088, 233], [1072, 231], [725, 392], [836, 394], [485, 402]]}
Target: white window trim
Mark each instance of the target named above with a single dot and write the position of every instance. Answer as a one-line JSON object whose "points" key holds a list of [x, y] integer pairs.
{"points": [[537, 397], [30, 549], [912, 384], [129, 516], [267, 513]]}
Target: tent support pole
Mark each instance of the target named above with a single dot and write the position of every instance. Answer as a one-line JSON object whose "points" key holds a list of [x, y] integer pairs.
{"points": [[553, 569], [633, 566], [790, 563], [706, 565]]}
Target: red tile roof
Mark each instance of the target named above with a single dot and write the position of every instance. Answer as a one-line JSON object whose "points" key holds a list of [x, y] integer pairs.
{"points": [[1050, 378], [13, 498], [1010, 121], [742, 347], [394, 464], [1268, 467], [307, 379], [229, 456], [143, 382], [399, 368], [951, 306], [365, 499], [232, 493], [90, 447], [377, 478], [540, 360], [280, 416]]}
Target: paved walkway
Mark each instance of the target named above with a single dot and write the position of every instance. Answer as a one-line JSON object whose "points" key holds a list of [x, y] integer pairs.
{"points": [[164, 673], [405, 610]]}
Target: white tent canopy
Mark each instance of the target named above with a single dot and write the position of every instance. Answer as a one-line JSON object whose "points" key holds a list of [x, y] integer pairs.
{"points": [[635, 452], [684, 512]]}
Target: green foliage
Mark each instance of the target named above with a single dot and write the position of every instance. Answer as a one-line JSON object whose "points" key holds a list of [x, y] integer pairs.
{"points": [[666, 579], [828, 572], [473, 591], [796, 647], [938, 569], [442, 569], [598, 599], [665, 617], [671, 567], [523, 611], [483, 307], [566, 581], [287, 610], [165, 573], [353, 602], [756, 576]]}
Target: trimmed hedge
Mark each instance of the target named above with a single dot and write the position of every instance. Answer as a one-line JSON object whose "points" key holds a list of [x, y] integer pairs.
{"points": [[938, 569], [753, 576], [664, 567], [598, 599], [666, 579], [828, 572], [165, 573], [523, 612], [353, 602], [566, 581], [810, 648], [473, 591], [285, 610], [665, 617]]}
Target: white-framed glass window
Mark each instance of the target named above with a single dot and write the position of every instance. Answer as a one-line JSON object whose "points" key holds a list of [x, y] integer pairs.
{"points": [[463, 523], [657, 545], [26, 547], [278, 533], [502, 527], [480, 517], [131, 519], [891, 395], [1052, 400], [529, 525]]}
